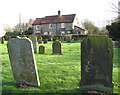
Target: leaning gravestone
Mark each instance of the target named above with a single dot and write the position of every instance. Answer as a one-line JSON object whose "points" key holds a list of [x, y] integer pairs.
{"points": [[33, 38], [96, 64], [56, 46], [41, 49], [23, 61]]}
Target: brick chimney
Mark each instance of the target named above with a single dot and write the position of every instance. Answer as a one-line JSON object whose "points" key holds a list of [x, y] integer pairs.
{"points": [[59, 13]]}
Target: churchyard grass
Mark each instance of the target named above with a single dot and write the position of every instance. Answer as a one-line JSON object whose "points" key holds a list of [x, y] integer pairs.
{"points": [[57, 73]]}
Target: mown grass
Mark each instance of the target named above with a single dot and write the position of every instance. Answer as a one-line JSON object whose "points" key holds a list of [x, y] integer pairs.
{"points": [[57, 73]]}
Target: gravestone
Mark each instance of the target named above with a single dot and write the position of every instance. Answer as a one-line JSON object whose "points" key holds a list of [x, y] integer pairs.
{"points": [[96, 64], [2, 41], [33, 38], [22, 61], [56, 46], [41, 49], [115, 44]]}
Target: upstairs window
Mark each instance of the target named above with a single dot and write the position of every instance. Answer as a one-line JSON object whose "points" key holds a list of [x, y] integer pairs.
{"points": [[50, 26], [62, 25]]}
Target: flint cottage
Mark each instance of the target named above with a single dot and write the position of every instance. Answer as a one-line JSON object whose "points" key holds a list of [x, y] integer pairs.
{"points": [[58, 25]]}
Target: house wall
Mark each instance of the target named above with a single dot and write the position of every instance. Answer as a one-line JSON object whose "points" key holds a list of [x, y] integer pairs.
{"points": [[56, 28], [47, 29], [36, 30], [75, 22], [69, 26]]}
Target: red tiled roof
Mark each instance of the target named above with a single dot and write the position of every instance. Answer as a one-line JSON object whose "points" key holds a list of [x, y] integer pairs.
{"points": [[80, 28], [55, 19], [37, 21]]}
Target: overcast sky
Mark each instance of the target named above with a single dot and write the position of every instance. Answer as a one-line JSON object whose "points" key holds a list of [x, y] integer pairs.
{"points": [[97, 11]]}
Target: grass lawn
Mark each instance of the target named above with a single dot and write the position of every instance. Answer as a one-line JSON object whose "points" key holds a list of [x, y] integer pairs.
{"points": [[57, 73]]}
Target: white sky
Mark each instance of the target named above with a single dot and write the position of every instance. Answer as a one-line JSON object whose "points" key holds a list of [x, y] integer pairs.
{"points": [[93, 10]]}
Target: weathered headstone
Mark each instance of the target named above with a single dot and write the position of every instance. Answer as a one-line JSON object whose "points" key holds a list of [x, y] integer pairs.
{"points": [[41, 49], [33, 38], [2, 41], [56, 46], [115, 44], [22, 61], [96, 64]]}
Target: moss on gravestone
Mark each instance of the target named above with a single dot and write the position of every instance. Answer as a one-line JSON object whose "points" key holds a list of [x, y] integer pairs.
{"points": [[23, 61], [96, 61]]}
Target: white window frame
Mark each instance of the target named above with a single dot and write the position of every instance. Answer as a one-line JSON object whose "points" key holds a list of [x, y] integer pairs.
{"points": [[62, 25]]}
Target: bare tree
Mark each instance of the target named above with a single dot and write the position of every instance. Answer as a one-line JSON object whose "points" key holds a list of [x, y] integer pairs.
{"points": [[115, 8]]}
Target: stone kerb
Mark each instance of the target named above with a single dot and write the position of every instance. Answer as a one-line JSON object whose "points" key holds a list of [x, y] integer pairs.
{"points": [[56, 46], [96, 64], [22, 61], [33, 38], [41, 49]]}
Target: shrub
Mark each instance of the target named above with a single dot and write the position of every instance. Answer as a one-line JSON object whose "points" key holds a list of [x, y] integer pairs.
{"points": [[79, 37], [39, 39], [45, 41], [68, 38], [23, 36], [56, 38], [62, 38], [8, 38], [40, 42], [49, 37]]}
